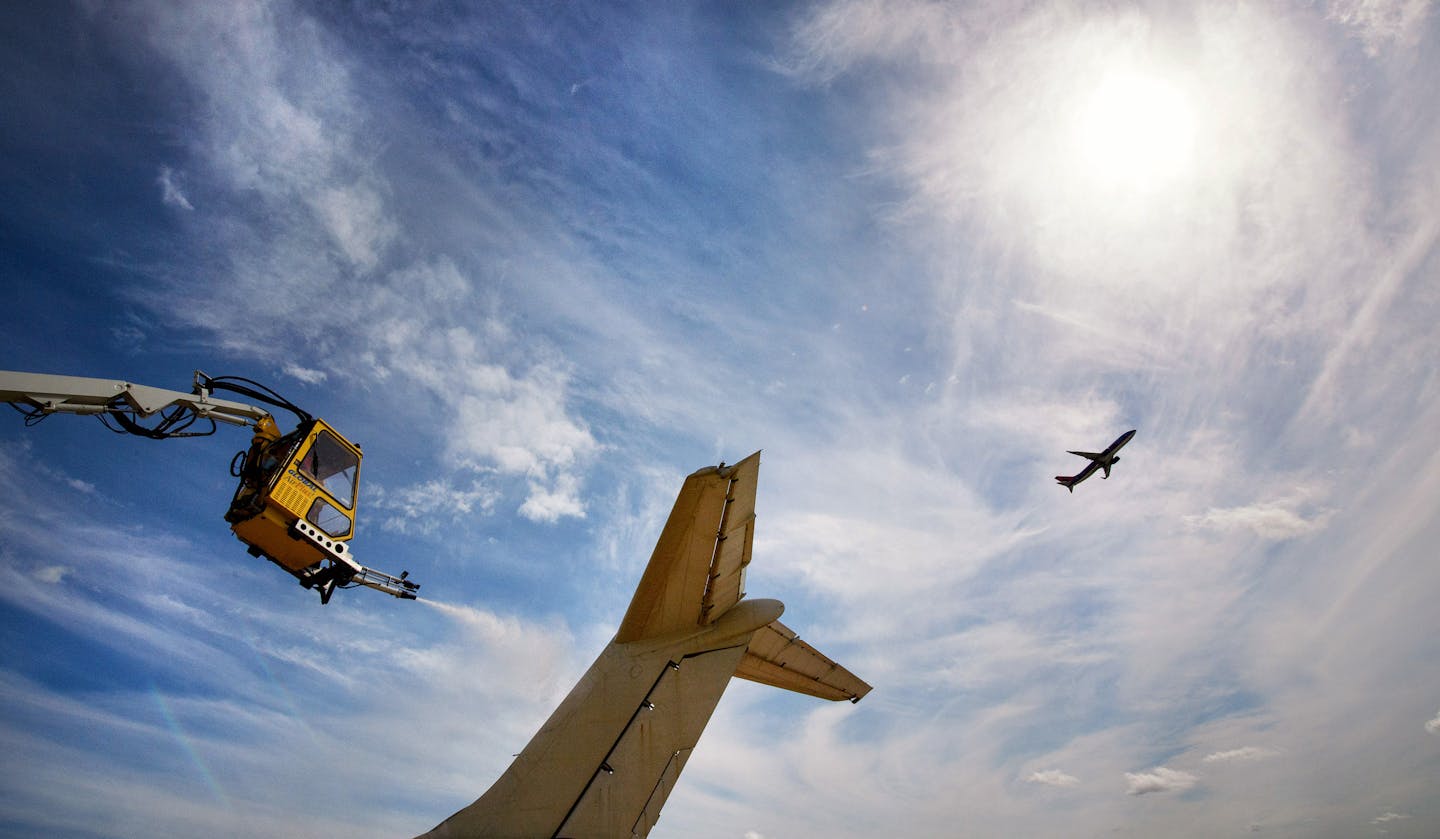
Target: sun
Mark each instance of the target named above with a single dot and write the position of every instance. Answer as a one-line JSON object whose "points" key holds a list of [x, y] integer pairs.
{"points": [[1135, 131]]}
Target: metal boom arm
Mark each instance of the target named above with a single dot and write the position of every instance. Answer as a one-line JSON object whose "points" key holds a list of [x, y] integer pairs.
{"points": [[46, 394]]}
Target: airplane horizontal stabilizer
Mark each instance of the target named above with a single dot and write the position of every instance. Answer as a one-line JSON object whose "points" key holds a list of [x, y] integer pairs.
{"points": [[777, 657]]}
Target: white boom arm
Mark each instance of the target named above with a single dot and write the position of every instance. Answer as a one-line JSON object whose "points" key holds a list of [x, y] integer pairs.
{"points": [[79, 395]]}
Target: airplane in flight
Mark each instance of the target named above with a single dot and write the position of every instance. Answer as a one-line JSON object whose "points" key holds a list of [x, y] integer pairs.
{"points": [[1098, 460], [608, 757]]}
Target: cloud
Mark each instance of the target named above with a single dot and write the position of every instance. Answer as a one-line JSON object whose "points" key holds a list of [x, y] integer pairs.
{"points": [[1433, 725], [1159, 779], [283, 126], [51, 574], [281, 123], [519, 423], [1389, 816], [837, 36], [170, 192], [1382, 23], [1240, 755], [81, 486], [356, 219], [1271, 521], [427, 506], [838, 542], [1053, 778], [1345, 373], [550, 505], [305, 374]]}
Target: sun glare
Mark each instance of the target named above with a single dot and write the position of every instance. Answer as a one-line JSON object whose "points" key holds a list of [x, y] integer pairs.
{"points": [[1135, 131]]}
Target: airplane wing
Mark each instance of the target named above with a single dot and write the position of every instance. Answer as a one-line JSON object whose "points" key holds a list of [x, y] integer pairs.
{"points": [[777, 657]]}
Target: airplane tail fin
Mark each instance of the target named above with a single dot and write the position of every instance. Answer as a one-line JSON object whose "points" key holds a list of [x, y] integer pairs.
{"points": [[777, 657], [1066, 481], [605, 761]]}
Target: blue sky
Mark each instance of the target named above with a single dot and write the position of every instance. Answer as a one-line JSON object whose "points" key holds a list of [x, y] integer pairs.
{"points": [[543, 260]]}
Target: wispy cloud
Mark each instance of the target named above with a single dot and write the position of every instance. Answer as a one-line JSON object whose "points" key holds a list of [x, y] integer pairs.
{"points": [[430, 505], [81, 486], [1159, 779], [1053, 778], [837, 36], [52, 574], [307, 375], [1240, 755], [355, 218], [170, 192], [284, 123], [1433, 724], [1347, 359], [1267, 520], [1382, 24]]}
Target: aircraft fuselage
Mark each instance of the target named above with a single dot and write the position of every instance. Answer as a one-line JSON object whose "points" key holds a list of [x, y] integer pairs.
{"points": [[1098, 460]]}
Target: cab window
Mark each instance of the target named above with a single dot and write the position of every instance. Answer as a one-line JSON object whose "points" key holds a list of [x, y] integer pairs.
{"points": [[325, 516], [334, 465]]}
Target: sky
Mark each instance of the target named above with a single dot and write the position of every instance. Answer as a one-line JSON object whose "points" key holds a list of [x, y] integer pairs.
{"points": [[544, 259]]}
